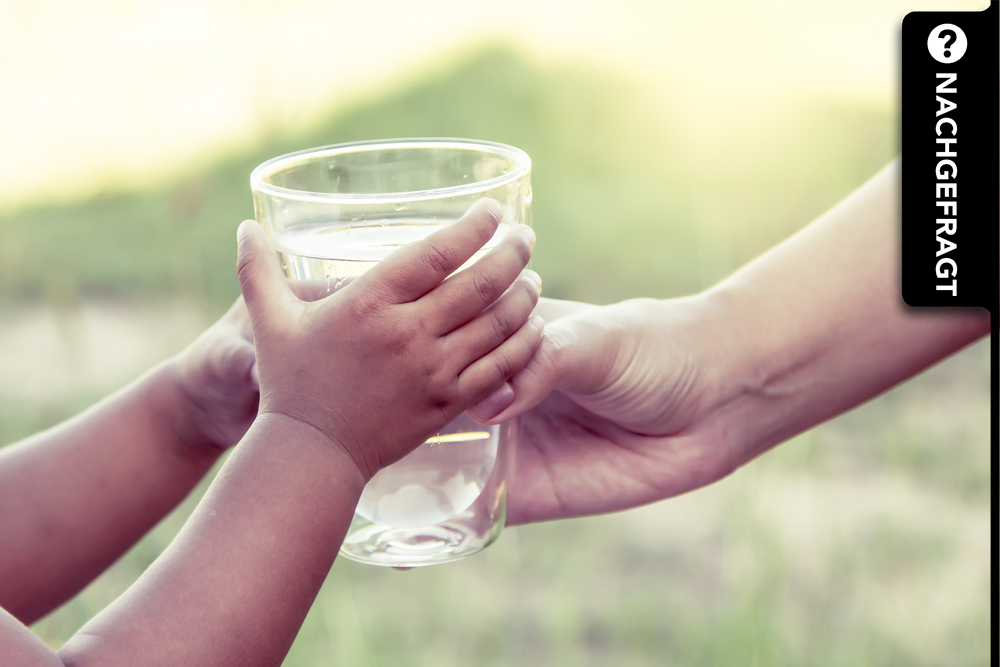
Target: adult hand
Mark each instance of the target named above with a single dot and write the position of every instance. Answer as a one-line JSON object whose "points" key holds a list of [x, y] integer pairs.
{"points": [[654, 398], [606, 410]]}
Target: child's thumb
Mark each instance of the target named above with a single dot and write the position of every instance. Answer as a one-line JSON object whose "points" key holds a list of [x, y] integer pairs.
{"points": [[261, 280]]}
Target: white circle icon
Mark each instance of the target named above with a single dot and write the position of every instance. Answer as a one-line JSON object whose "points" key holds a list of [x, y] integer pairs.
{"points": [[947, 43]]}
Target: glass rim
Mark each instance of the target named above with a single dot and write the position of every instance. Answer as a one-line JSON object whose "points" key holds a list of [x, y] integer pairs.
{"points": [[257, 183]]}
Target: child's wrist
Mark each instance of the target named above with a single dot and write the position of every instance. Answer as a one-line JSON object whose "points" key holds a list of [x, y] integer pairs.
{"points": [[289, 429]]}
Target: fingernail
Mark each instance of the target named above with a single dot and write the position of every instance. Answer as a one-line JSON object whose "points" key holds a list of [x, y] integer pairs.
{"points": [[493, 404], [537, 322], [535, 278], [531, 237], [497, 210]]}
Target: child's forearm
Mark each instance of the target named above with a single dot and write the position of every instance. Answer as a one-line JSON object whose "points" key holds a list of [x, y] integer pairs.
{"points": [[76, 497], [235, 585]]}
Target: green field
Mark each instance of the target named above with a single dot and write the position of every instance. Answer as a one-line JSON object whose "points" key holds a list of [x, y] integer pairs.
{"points": [[863, 542]]}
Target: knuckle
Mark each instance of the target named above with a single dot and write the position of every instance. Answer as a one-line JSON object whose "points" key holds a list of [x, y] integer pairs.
{"points": [[502, 322], [444, 395], [228, 359], [443, 401], [484, 286], [398, 338], [395, 341], [503, 366], [438, 256], [521, 248], [236, 364], [363, 305]]}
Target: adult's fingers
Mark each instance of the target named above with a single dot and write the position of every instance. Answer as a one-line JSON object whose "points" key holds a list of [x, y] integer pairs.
{"points": [[496, 324], [263, 284], [466, 294], [415, 269], [489, 373]]}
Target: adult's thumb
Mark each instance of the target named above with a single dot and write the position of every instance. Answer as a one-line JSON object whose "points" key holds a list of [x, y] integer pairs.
{"points": [[261, 280]]}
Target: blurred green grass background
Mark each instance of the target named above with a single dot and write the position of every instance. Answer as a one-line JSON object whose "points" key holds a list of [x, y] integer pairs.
{"points": [[860, 542], [628, 204]]}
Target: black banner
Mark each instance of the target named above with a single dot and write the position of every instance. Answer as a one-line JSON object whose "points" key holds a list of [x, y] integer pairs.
{"points": [[950, 158]]}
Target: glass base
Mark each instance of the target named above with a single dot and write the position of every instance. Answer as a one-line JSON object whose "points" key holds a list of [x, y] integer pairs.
{"points": [[390, 546]]}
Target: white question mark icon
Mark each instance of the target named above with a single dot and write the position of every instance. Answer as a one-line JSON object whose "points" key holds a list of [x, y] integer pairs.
{"points": [[947, 43], [949, 37]]}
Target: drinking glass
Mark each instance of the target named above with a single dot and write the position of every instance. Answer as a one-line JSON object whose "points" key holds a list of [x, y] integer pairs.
{"points": [[331, 214]]}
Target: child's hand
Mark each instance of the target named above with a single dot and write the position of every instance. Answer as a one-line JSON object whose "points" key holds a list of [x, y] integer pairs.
{"points": [[391, 358], [218, 377]]}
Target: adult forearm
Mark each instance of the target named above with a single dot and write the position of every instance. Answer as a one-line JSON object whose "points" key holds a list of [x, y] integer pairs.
{"points": [[74, 498], [817, 325], [236, 583]]}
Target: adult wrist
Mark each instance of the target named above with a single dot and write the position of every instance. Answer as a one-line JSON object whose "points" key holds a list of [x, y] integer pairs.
{"points": [[757, 370]]}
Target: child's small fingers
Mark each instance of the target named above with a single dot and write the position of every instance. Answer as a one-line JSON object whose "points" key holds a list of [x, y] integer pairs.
{"points": [[261, 280], [255, 376], [415, 269], [526, 388], [489, 373], [466, 294], [237, 363], [238, 319], [496, 324]]}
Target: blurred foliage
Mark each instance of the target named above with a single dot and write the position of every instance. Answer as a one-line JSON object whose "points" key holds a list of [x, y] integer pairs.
{"points": [[628, 201], [625, 204]]}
